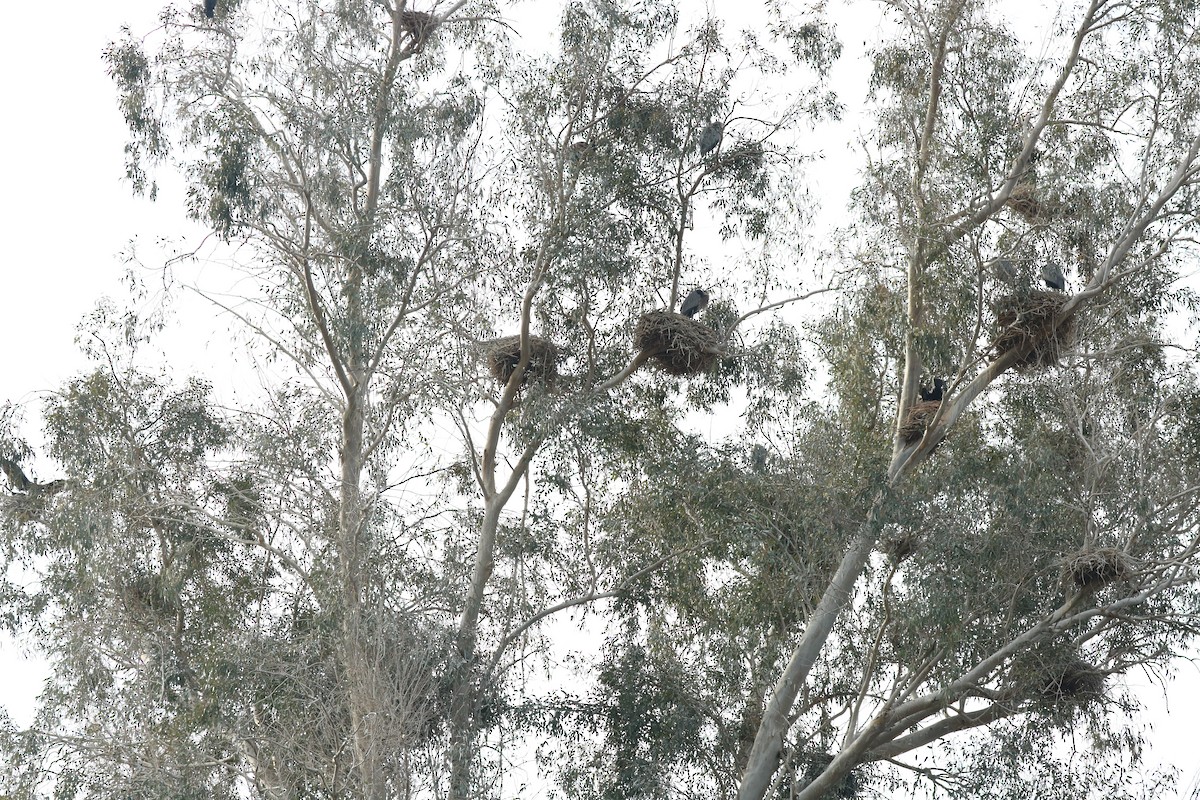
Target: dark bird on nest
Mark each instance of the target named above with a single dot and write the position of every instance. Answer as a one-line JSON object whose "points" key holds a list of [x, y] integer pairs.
{"points": [[16, 478], [710, 137], [1052, 274], [694, 303], [210, 8], [934, 396]]}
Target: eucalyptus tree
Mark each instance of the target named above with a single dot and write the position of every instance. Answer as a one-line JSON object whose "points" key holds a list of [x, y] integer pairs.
{"points": [[313, 594], [947, 593]]}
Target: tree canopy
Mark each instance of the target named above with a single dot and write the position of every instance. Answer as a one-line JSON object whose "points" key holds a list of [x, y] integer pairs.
{"points": [[470, 537]]}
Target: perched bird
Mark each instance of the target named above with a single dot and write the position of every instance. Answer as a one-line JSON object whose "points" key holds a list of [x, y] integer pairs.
{"points": [[210, 8], [939, 389], [16, 478], [694, 303], [1052, 274], [1004, 270], [710, 137]]}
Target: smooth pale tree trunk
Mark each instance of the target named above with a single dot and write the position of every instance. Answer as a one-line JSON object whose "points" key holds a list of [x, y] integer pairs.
{"points": [[768, 744], [366, 719]]}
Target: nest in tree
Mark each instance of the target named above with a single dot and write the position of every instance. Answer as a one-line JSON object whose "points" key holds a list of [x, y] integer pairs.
{"points": [[1027, 320], [1076, 681], [899, 546], [417, 24], [1094, 567], [918, 419], [1023, 200], [679, 345], [503, 355]]}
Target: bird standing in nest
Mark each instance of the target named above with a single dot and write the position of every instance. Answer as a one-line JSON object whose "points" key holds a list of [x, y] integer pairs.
{"points": [[934, 395], [1052, 274], [710, 137], [694, 303]]}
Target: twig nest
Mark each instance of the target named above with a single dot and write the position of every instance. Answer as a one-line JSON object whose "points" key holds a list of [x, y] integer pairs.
{"points": [[1023, 200], [1028, 319], [503, 355], [680, 346], [1076, 681], [900, 545], [1095, 567], [918, 419]]}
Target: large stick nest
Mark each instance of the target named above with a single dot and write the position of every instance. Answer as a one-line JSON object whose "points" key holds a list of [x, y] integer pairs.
{"points": [[918, 419], [503, 355], [1076, 681], [1027, 319], [1024, 201], [1094, 567], [680, 346]]}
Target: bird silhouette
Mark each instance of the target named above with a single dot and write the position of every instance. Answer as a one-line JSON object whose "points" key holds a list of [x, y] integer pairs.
{"points": [[1004, 270], [16, 478], [694, 303], [1052, 274], [210, 8], [710, 137], [934, 395]]}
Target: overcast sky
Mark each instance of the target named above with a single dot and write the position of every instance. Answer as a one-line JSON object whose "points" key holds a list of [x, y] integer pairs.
{"points": [[68, 216]]}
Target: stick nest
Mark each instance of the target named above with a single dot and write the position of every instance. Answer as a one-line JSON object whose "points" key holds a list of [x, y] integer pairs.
{"points": [[680, 346], [918, 419], [1094, 567], [1076, 681], [1023, 200], [900, 545], [503, 355], [1027, 319]]}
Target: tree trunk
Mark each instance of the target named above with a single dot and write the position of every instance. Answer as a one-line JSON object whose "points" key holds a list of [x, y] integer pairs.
{"points": [[764, 755]]}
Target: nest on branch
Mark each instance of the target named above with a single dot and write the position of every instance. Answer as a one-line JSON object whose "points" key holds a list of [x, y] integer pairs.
{"points": [[899, 546], [1076, 681], [1095, 567], [680, 346], [918, 419], [1023, 200], [1027, 320], [503, 355]]}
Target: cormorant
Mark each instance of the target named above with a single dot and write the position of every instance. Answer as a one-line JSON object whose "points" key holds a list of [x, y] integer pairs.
{"points": [[1052, 274], [694, 303], [939, 389], [710, 137], [210, 7]]}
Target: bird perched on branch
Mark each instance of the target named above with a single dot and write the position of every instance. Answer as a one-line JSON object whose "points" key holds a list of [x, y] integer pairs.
{"points": [[16, 478], [694, 303], [1004, 270], [934, 395], [710, 137], [210, 7], [1052, 274]]}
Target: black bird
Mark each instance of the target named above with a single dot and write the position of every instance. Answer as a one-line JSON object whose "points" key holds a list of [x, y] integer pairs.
{"points": [[1052, 274], [939, 389], [210, 8], [16, 478], [694, 303], [710, 137]]}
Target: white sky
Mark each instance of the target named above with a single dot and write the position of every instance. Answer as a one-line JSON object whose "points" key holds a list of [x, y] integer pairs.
{"points": [[67, 216]]}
